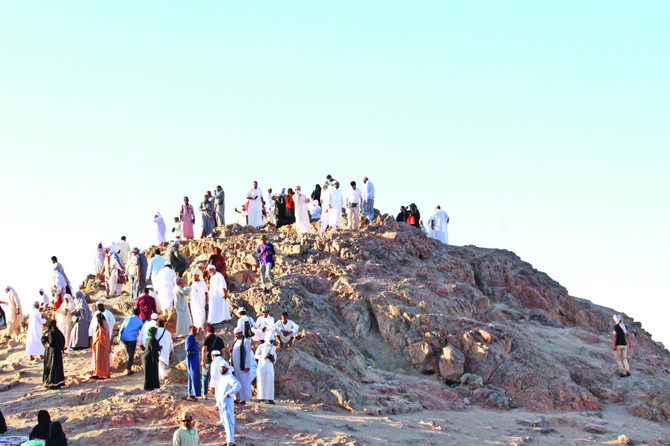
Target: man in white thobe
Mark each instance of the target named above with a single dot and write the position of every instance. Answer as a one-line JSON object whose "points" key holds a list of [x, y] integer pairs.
{"points": [[368, 199], [164, 339], [266, 355], [156, 264], [302, 223], [241, 361], [255, 197], [13, 312], [198, 301], [218, 302], [270, 207], [226, 388], [34, 346], [220, 206], [99, 262], [142, 339], [286, 330], [164, 287], [123, 249], [336, 206], [325, 207], [217, 361], [265, 324], [353, 202], [439, 222]]}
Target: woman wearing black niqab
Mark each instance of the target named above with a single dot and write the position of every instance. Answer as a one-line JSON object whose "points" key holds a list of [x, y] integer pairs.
{"points": [[150, 361], [53, 376], [316, 194], [56, 435], [41, 431]]}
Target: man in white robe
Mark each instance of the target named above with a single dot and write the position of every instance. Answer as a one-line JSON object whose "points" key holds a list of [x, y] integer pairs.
{"points": [[266, 354], [198, 301], [286, 330], [218, 300], [439, 222], [255, 197], [160, 227], [13, 312], [99, 262], [336, 206], [270, 207], [354, 202], [241, 361], [226, 389], [302, 223], [164, 339], [325, 207], [265, 324], [217, 361], [164, 287], [156, 264], [243, 319], [314, 210], [123, 250], [142, 339], [34, 346]]}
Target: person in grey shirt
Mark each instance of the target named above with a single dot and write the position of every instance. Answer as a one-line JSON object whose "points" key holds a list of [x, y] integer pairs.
{"points": [[220, 205]]}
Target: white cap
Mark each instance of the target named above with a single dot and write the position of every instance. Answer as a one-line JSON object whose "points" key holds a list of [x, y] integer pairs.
{"points": [[216, 353], [211, 266], [154, 316], [241, 310], [100, 303]]}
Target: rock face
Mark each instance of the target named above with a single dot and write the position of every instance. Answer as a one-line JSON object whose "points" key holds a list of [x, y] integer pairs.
{"points": [[390, 298]]}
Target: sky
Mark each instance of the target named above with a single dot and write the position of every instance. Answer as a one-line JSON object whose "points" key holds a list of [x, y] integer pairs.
{"points": [[540, 127]]}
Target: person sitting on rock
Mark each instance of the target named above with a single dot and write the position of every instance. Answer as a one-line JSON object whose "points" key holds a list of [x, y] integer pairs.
{"points": [[265, 324], [286, 331], [186, 435], [620, 344]]}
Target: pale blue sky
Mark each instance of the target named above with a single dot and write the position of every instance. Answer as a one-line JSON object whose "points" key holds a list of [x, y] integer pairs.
{"points": [[541, 128]]}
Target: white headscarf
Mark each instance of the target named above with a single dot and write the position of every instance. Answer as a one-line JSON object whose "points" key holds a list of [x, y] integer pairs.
{"points": [[9, 289], [269, 338], [619, 320]]}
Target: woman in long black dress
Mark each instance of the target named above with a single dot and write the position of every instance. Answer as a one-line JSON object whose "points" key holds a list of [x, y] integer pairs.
{"points": [[54, 344], [56, 435], [41, 431], [150, 361]]}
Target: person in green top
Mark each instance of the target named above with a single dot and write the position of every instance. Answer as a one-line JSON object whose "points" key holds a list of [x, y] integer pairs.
{"points": [[186, 435]]}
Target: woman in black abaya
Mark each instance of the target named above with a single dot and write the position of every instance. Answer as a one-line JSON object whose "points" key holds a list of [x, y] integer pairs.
{"points": [[54, 344]]}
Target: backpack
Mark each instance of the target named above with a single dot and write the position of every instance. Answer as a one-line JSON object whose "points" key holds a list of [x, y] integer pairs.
{"points": [[247, 329]]}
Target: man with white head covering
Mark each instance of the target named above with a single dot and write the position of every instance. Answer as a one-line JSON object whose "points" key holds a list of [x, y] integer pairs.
{"points": [[215, 365], [226, 388], [336, 202], [63, 318], [44, 299], [99, 262], [245, 323], [198, 300], [13, 312], [34, 346], [438, 224], [160, 227], [164, 287], [155, 266], [218, 299], [58, 267], [270, 207], [255, 197], [124, 249], [302, 223], [145, 329], [266, 355], [184, 320], [325, 206], [241, 361], [58, 288], [265, 324], [164, 339], [354, 201], [620, 344]]}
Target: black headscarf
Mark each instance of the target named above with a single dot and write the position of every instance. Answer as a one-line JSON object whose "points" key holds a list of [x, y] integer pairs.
{"points": [[54, 336], [3, 425], [41, 431], [56, 435], [316, 195]]}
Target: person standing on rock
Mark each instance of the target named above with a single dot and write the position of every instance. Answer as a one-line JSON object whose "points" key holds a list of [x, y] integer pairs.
{"points": [[175, 258], [144, 333], [192, 364], [186, 435], [81, 317], [58, 288], [12, 307], [368, 208], [146, 304], [226, 389], [150, 359], [34, 345], [439, 222], [353, 202], [184, 320], [216, 259], [102, 349], [130, 329], [164, 286], [266, 355], [178, 229], [111, 323], [218, 299], [336, 206], [155, 266], [255, 197], [325, 207], [99, 262], [270, 208], [54, 344], [211, 344], [300, 201], [115, 271], [164, 339], [621, 343], [240, 358], [124, 250], [140, 272], [206, 217], [286, 330], [63, 317], [160, 227], [198, 301], [187, 218], [58, 267], [220, 206], [266, 253]]}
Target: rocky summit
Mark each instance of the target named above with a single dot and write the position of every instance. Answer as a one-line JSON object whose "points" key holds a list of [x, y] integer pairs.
{"points": [[391, 322]]}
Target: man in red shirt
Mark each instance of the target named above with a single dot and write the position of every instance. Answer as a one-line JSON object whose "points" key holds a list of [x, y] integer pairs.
{"points": [[147, 305]]}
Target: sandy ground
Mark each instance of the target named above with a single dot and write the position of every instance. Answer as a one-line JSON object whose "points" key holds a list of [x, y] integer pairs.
{"points": [[118, 411]]}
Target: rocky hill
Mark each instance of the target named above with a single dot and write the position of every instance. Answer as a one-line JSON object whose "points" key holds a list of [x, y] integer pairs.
{"points": [[392, 322]]}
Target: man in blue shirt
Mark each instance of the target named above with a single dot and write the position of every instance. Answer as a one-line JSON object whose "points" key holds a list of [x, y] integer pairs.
{"points": [[265, 253], [128, 334]]}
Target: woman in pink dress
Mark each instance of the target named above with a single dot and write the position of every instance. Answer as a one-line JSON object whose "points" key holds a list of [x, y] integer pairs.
{"points": [[187, 216]]}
